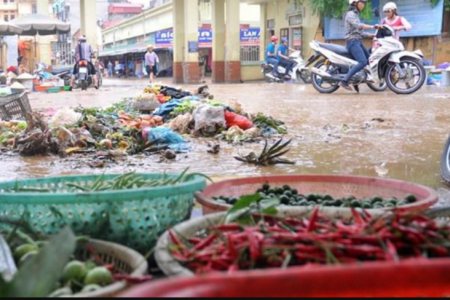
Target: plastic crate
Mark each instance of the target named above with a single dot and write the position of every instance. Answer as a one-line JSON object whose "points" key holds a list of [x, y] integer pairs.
{"points": [[14, 107]]}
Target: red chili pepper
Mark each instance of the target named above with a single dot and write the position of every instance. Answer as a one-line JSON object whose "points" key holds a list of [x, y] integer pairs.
{"points": [[440, 251], [229, 227], [254, 239], [362, 250], [313, 220], [179, 256], [358, 219], [391, 254], [195, 241], [109, 267], [205, 243], [233, 269], [132, 279], [176, 240], [94, 254]]}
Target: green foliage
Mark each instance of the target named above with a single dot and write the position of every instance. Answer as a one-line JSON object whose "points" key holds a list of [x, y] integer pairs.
{"points": [[335, 8]]}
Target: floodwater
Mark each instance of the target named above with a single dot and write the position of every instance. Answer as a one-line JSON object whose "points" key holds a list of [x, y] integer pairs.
{"points": [[373, 134]]}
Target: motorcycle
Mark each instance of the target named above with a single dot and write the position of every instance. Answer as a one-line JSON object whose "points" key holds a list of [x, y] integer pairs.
{"points": [[389, 66], [299, 71], [84, 80]]}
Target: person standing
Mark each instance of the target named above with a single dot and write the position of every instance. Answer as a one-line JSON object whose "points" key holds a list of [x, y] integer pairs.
{"points": [[110, 69], [355, 34], [151, 62]]}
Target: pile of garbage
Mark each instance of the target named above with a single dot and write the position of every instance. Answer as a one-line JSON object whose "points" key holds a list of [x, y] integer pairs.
{"points": [[122, 130]]}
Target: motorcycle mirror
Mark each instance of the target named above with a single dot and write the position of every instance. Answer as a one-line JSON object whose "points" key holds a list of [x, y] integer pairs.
{"points": [[376, 12]]}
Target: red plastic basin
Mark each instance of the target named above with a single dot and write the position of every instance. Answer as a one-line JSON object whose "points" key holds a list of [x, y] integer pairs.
{"points": [[425, 278], [337, 186]]}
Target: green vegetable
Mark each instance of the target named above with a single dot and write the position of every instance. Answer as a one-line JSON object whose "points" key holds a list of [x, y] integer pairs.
{"points": [[28, 257], [23, 250], [99, 276], [75, 271], [411, 199], [91, 288], [64, 292]]}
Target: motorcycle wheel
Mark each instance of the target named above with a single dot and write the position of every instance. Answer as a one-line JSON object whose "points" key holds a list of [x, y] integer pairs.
{"points": [[445, 162], [83, 85], [318, 81], [409, 66], [378, 87], [305, 75]]}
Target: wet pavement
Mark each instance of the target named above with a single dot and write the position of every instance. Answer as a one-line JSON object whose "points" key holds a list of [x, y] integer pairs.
{"points": [[374, 134]]}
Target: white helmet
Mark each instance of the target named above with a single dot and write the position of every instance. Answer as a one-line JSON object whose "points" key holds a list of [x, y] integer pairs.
{"points": [[355, 1], [391, 6]]}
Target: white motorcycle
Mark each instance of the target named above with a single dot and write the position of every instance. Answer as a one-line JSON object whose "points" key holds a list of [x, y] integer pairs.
{"points": [[299, 71], [389, 64]]}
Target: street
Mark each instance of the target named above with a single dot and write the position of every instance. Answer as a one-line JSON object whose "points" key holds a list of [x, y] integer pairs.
{"points": [[385, 135]]}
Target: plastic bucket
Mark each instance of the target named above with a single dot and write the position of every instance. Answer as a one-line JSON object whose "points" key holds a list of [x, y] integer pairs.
{"points": [[445, 81]]}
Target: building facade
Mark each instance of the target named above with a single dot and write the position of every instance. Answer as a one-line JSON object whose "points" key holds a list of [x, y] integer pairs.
{"points": [[129, 39]]}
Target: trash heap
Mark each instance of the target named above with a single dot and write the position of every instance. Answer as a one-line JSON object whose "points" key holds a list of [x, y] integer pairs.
{"points": [[159, 119]]}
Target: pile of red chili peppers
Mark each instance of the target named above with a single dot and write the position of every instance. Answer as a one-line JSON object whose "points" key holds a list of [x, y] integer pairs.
{"points": [[318, 240]]}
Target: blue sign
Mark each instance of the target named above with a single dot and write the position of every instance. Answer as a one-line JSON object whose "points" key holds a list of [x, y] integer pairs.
{"points": [[250, 36], [425, 19], [164, 38], [205, 36]]}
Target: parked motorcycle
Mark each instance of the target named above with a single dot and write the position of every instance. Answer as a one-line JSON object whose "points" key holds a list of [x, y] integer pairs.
{"points": [[401, 71], [445, 162], [299, 71]]}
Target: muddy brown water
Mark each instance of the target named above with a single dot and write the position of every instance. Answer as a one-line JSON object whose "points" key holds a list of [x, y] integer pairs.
{"points": [[372, 134]]}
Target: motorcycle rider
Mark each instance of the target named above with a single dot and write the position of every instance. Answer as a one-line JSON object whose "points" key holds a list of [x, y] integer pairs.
{"points": [[354, 36], [271, 55], [83, 51], [283, 56], [394, 20]]}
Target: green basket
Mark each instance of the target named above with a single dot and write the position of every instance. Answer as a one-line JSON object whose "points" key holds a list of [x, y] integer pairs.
{"points": [[66, 88], [54, 90], [134, 218]]}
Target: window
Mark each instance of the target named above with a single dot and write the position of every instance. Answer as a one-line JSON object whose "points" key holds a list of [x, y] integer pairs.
{"points": [[296, 20], [6, 18], [12, 17], [296, 39], [34, 9], [250, 54], [284, 33]]}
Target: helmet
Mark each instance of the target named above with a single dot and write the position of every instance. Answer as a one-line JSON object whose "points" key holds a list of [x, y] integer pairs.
{"points": [[82, 39], [351, 2], [274, 38], [391, 6], [284, 40]]}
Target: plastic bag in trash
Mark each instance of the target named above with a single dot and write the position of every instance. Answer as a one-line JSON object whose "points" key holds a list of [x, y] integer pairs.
{"points": [[167, 108], [233, 119], [165, 136], [65, 117], [208, 118], [181, 123]]}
